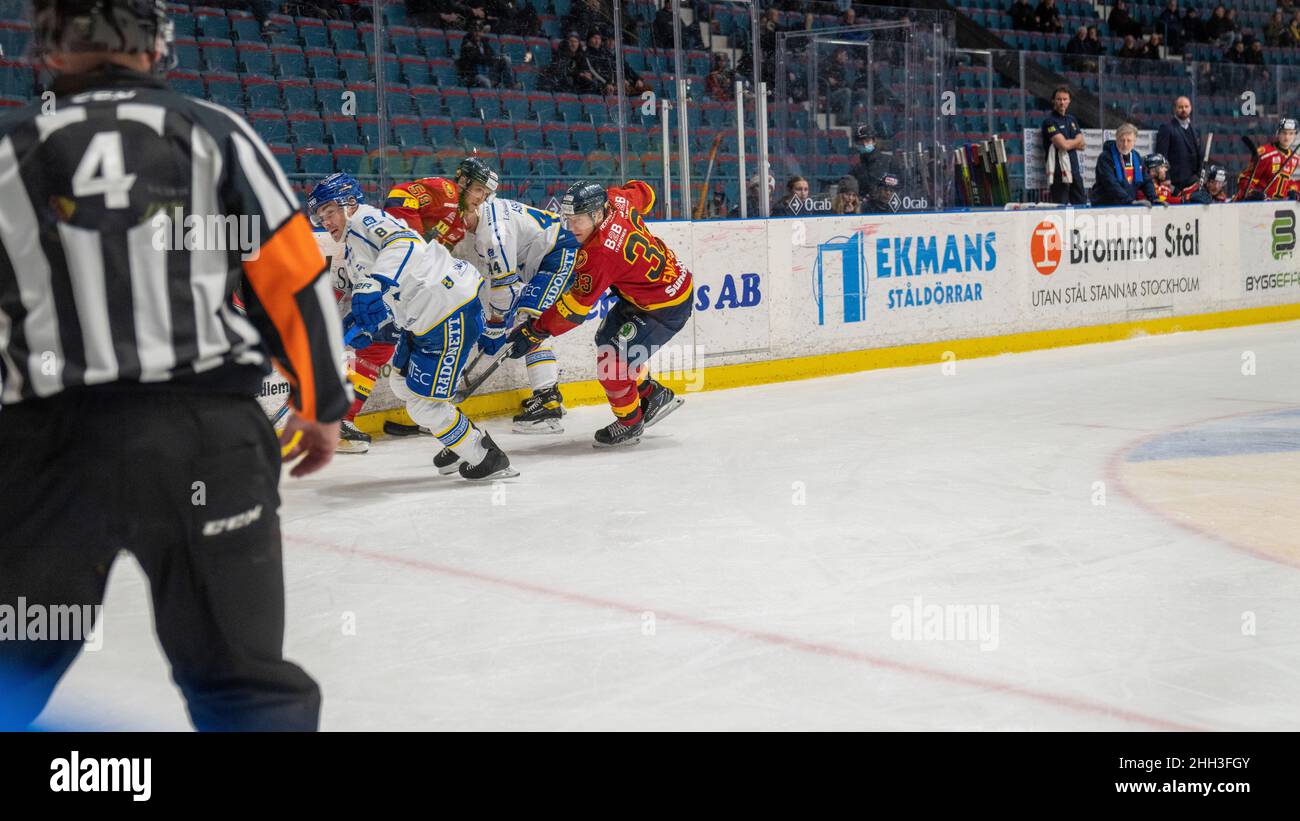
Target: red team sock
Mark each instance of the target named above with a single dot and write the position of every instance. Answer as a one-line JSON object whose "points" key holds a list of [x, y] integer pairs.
{"points": [[370, 360]]}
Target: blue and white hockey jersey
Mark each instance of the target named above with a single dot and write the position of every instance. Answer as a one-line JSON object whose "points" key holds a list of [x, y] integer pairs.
{"points": [[427, 284]]}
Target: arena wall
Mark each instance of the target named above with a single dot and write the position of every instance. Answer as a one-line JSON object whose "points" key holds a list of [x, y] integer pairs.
{"points": [[794, 298]]}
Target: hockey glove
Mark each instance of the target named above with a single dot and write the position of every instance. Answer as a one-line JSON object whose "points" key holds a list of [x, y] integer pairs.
{"points": [[354, 336], [494, 335], [368, 306], [524, 338]]}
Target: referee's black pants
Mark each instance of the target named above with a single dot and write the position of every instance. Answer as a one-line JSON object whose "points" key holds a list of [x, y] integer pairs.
{"points": [[188, 484]]}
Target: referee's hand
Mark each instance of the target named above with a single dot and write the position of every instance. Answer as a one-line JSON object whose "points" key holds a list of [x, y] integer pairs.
{"points": [[314, 442]]}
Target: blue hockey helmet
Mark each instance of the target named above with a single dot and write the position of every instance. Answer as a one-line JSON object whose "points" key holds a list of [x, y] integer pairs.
{"points": [[340, 188], [583, 197]]}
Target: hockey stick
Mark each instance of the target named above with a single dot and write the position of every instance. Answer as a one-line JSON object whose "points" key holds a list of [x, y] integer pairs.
{"points": [[472, 385], [708, 175]]}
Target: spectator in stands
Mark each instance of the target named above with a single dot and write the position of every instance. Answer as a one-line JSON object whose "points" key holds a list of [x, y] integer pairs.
{"points": [[1254, 52], [1234, 28], [1047, 17], [768, 27], [1236, 54], [1218, 29], [519, 17], [661, 30], [479, 65], [849, 18], [796, 188], [870, 163], [752, 203], [633, 84], [260, 9], [1079, 51], [1151, 50], [1062, 142], [1022, 16], [1170, 26], [836, 82], [1287, 6], [1095, 48], [1120, 23], [1120, 175], [596, 68], [1193, 27], [1131, 50], [1179, 143], [558, 76], [585, 15], [721, 82], [1275, 30], [848, 198], [1294, 26]]}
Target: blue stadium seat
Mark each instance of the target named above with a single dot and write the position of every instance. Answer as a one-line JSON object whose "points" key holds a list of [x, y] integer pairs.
{"points": [[405, 42], [244, 26], [458, 102], [369, 126], [183, 24], [435, 43], [546, 164], [261, 92], [471, 132], [501, 135], [584, 137], [445, 71], [306, 128], [342, 130], [187, 55], [284, 156], [397, 101], [416, 71], [255, 59], [557, 135], [298, 96], [224, 89], [348, 159], [427, 100], [219, 55], [312, 32], [367, 100], [569, 107], [571, 163], [407, 132], [289, 61], [439, 130], [343, 36], [515, 105], [529, 135], [270, 125], [487, 101], [354, 66], [186, 82], [329, 95], [322, 64], [212, 22], [515, 163]]}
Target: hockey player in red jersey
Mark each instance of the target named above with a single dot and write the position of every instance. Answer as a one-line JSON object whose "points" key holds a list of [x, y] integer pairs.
{"points": [[654, 302], [1212, 188], [1268, 177], [1158, 169], [435, 208]]}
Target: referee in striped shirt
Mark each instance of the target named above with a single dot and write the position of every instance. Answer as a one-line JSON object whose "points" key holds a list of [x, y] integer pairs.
{"points": [[130, 216]]}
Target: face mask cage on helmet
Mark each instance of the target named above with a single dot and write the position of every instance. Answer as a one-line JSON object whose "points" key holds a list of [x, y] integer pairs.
{"points": [[336, 188]]}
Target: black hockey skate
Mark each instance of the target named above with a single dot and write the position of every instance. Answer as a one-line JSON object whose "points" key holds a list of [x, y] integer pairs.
{"points": [[495, 465], [542, 412], [352, 439], [661, 402], [617, 434], [446, 461]]}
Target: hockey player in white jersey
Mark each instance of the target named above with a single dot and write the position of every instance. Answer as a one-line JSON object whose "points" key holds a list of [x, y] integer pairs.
{"points": [[434, 303], [528, 256]]}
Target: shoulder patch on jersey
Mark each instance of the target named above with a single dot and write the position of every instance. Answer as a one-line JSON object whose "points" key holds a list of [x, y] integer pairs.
{"points": [[449, 188], [581, 258]]}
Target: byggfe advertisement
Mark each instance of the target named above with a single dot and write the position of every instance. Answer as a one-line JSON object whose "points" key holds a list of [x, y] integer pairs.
{"points": [[1270, 265]]}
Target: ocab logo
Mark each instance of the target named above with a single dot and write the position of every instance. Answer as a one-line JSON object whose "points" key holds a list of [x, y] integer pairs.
{"points": [[1045, 247]]}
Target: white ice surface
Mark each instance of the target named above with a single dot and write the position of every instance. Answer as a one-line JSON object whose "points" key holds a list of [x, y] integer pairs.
{"points": [[678, 585]]}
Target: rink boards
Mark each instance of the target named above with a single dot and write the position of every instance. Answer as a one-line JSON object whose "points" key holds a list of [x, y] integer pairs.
{"points": [[799, 297]]}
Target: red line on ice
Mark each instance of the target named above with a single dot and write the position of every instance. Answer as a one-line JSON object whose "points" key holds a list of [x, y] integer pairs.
{"points": [[802, 645]]}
